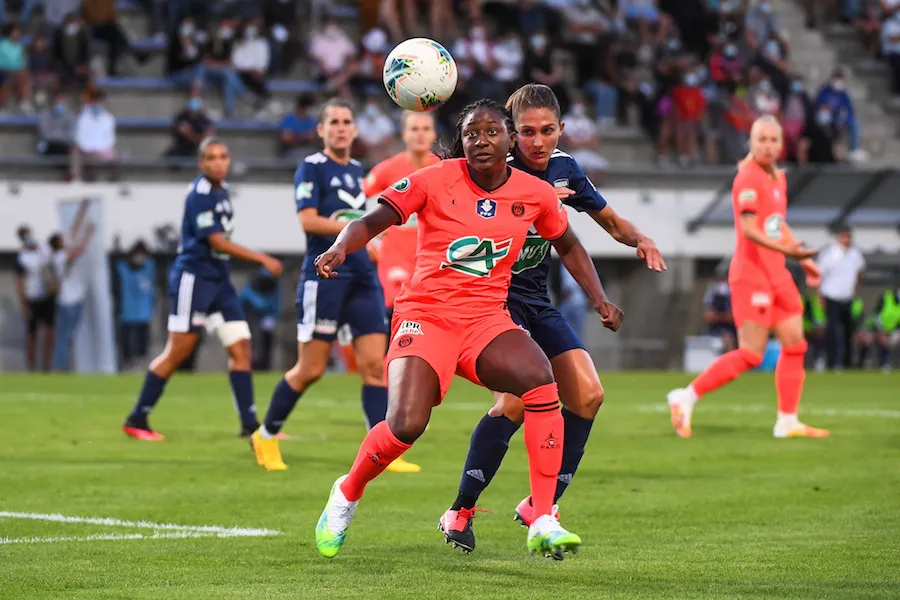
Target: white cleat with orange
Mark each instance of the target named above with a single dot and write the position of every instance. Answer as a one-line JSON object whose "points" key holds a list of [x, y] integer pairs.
{"points": [[681, 405], [790, 427]]}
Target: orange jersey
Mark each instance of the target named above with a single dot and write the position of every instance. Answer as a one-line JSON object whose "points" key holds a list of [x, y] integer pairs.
{"points": [[469, 238], [755, 191]]}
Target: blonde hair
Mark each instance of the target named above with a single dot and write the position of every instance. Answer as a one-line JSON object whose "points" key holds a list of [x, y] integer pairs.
{"points": [[754, 131], [409, 113]]}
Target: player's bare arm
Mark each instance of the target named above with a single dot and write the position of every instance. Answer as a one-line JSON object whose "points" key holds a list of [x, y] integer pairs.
{"points": [[813, 273], [315, 224], [355, 236], [579, 264], [623, 231], [791, 248], [220, 243]]}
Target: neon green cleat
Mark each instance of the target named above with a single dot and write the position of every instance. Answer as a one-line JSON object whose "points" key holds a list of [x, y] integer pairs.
{"points": [[334, 522], [547, 536]]}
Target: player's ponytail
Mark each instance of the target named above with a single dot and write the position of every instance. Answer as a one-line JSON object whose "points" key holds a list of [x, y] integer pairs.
{"points": [[456, 148]]}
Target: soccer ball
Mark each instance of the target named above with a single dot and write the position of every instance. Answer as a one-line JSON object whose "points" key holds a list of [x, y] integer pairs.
{"points": [[420, 75]]}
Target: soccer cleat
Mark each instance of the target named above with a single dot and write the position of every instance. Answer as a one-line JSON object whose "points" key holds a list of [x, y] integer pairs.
{"points": [[246, 432], [681, 405], [788, 429], [456, 525], [331, 530], [401, 466], [268, 454], [549, 538], [525, 512], [140, 430]]}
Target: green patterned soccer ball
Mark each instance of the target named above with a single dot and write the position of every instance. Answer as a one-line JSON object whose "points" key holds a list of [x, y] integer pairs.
{"points": [[420, 75]]}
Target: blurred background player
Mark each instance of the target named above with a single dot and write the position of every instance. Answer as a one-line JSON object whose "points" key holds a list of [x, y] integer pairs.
{"points": [[329, 194], [764, 295], [397, 251], [474, 215], [536, 114], [201, 294], [882, 329]]}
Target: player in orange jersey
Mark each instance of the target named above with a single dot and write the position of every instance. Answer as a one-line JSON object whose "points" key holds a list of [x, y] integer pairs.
{"points": [[764, 296], [397, 251], [474, 215]]}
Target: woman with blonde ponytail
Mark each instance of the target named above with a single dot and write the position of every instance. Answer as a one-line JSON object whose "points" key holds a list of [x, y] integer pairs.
{"points": [[763, 294]]}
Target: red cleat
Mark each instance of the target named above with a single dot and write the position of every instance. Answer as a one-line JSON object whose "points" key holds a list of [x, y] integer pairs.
{"points": [[145, 435], [525, 512]]}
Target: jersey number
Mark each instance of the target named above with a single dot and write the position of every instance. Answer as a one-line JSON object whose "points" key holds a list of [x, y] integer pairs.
{"points": [[474, 256], [533, 253]]}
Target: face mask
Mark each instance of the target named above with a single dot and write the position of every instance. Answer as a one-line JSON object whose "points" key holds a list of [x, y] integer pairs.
{"points": [[538, 42], [332, 31], [139, 260], [96, 109], [30, 240], [72, 28], [186, 30], [823, 117], [226, 32], [773, 50], [578, 110], [251, 32], [691, 80], [194, 104], [702, 74], [798, 87], [370, 110], [765, 86], [839, 85], [765, 8], [477, 33], [731, 52], [60, 107], [674, 45]]}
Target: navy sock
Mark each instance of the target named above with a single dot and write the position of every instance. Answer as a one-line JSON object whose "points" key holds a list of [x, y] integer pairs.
{"points": [[885, 355], [150, 393], [488, 446], [576, 436], [374, 404], [284, 397], [242, 390]]}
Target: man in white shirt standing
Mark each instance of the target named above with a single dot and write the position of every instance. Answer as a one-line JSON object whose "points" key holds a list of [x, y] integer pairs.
{"points": [[95, 133], [72, 276], [36, 285], [842, 264]]}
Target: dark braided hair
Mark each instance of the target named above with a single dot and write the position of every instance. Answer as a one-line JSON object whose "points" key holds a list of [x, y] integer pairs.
{"points": [[456, 150]]}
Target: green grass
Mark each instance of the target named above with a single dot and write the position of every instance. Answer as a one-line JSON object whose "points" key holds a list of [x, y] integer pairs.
{"points": [[731, 513]]}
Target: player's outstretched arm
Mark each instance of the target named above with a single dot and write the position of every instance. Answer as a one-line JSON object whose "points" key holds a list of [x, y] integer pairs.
{"points": [[355, 236], [220, 243], [579, 264], [789, 247], [623, 231], [315, 224]]}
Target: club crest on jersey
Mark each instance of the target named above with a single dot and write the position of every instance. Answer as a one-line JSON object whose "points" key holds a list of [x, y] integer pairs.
{"points": [[746, 197], [486, 209], [518, 209], [401, 186], [561, 183]]}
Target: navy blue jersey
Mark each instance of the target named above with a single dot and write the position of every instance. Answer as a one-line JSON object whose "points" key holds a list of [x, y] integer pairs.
{"points": [[532, 269], [335, 191], [207, 210]]}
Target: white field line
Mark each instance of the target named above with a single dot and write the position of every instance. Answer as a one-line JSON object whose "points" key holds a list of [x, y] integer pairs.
{"points": [[103, 537], [711, 406]]}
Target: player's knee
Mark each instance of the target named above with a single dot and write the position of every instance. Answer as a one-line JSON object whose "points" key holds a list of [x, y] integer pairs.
{"points": [[537, 375], [407, 425], [371, 371], [588, 403], [509, 406], [240, 355], [303, 374], [795, 349], [752, 357]]}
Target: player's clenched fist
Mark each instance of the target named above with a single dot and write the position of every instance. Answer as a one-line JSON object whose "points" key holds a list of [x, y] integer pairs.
{"points": [[610, 315], [328, 261]]}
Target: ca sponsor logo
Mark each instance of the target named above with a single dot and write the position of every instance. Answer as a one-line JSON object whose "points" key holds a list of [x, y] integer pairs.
{"points": [[474, 256]]}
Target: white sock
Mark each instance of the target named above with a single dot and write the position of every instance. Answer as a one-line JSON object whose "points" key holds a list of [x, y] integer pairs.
{"points": [[692, 394], [788, 418], [265, 434]]}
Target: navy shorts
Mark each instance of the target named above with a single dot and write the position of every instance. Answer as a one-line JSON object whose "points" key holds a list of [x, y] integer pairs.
{"points": [[546, 326], [196, 303], [326, 305]]}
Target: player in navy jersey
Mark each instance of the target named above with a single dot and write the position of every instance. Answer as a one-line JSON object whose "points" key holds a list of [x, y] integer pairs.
{"points": [[535, 110], [328, 194], [201, 294]]}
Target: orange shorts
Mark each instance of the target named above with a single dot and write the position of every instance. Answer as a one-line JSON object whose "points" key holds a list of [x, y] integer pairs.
{"points": [[450, 345], [763, 303]]}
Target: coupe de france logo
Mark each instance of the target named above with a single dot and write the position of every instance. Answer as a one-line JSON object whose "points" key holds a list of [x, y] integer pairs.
{"points": [[486, 208]]}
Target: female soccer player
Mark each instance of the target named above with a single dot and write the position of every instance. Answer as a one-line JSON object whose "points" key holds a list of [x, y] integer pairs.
{"points": [[474, 215], [201, 294], [535, 110], [329, 194], [763, 294]]}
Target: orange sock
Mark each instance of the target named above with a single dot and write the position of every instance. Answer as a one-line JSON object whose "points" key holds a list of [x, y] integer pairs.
{"points": [[544, 443], [789, 377], [380, 448], [724, 369]]}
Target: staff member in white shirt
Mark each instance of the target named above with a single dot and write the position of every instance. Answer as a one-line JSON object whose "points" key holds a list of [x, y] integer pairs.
{"points": [[72, 275], [842, 264], [35, 285]]}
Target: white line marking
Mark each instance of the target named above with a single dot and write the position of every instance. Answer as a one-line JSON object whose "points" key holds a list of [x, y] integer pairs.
{"points": [[760, 408], [102, 537]]}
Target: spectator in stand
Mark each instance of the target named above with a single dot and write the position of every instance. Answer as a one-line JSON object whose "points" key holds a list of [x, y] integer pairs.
{"points": [[822, 137], [136, 275], [100, 16], [764, 99], [509, 58], [280, 17], [40, 63], [218, 65], [835, 96], [726, 65], [890, 48], [798, 110], [14, 72], [71, 49], [581, 140], [868, 26], [689, 107], [533, 18], [298, 130], [36, 286], [478, 64], [738, 119], [251, 59], [376, 132], [717, 310], [760, 25], [334, 53], [95, 135], [184, 57], [440, 18], [55, 12], [72, 276], [772, 60], [369, 65], [56, 129], [585, 25], [542, 66], [646, 15], [190, 127]]}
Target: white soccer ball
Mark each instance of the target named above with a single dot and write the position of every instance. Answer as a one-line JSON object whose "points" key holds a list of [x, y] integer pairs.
{"points": [[420, 75]]}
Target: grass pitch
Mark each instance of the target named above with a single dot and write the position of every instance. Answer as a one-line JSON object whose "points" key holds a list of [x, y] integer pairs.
{"points": [[731, 513]]}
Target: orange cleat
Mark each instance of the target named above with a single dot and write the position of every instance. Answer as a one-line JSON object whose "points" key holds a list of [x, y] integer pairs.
{"points": [[145, 435]]}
